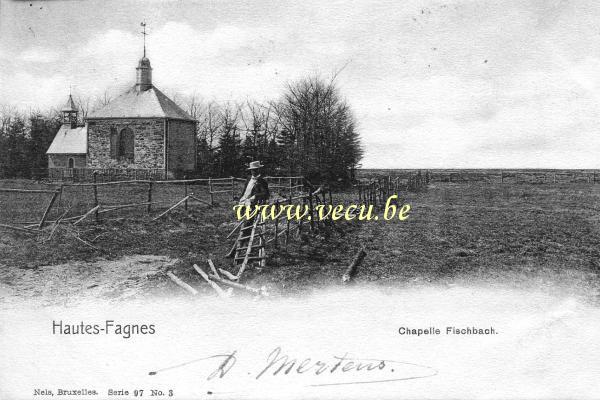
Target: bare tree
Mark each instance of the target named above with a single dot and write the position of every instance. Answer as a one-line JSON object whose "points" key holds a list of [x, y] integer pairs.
{"points": [[103, 99], [84, 105]]}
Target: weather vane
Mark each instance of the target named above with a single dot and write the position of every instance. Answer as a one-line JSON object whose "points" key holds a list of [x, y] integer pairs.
{"points": [[144, 33]]}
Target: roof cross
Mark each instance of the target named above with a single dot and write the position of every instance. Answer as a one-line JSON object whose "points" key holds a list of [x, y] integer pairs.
{"points": [[143, 24]]}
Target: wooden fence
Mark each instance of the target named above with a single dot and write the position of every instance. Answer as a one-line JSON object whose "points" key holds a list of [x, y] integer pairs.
{"points": [[71, 201], [517, 177], [253, 236], [281, 228], [105, 174], [376, 191], [278, 231], [496, 176]]}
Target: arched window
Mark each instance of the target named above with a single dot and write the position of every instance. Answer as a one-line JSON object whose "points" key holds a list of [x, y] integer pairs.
{"points": [[125, 145], [114, 143], [71, 163]]}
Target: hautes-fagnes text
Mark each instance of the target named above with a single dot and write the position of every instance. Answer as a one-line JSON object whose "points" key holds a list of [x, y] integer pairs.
{"points": [[126, 331]]}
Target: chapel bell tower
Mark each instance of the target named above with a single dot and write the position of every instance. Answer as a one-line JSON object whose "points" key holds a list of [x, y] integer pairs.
{"points": [[143, 80], [69, 113]]}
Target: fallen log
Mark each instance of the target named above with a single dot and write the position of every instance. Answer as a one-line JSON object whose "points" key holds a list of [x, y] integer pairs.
{"points": [[227, 274], [353, 268], [212, 268], [86, 243], [182, 284], [217, 288], [70, 230], [261, 291]]}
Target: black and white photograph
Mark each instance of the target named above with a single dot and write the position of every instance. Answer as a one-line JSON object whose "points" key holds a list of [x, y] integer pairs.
{"points": [[261, 199]]}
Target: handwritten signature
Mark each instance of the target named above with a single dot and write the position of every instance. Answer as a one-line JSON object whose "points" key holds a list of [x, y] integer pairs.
{"points": [[330, 372]]}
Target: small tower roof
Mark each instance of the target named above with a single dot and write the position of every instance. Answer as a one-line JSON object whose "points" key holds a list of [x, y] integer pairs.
{"points": [[69, 105], [144, 62]]}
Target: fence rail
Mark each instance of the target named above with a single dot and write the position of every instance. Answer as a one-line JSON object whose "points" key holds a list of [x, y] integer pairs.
{"points": [[105, 174], [28, 206], [376, 191], [497, 176]]}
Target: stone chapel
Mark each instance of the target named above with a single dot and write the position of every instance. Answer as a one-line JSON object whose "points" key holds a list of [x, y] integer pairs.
{"points": [[140, 129]]}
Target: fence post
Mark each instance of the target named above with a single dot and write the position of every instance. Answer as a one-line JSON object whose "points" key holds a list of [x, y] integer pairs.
{"points": [[374, 194], [185, 185], [301, 221], [95, 179], [276, 238], [149, 208], [210, 190], [554, 177], [315, 213], [287, 232], [232, 188], [60, 198], [48, 208], [310, 204]]}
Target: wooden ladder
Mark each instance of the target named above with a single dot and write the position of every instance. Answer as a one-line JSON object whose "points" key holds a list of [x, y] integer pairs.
{"points": [[250, 246]]}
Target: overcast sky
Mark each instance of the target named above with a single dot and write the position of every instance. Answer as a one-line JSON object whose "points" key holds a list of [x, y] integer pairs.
{"points": [[467, 84]]}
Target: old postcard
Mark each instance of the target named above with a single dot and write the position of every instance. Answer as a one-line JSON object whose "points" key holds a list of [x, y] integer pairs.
{"points": [[299, 200]]}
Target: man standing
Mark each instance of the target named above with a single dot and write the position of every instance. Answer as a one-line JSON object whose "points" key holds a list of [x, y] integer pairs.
{"points": [[256, 191], [256, 188]]}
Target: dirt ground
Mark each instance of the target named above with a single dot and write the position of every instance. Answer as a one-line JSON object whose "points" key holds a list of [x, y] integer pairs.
{"points": [[547, 236]]}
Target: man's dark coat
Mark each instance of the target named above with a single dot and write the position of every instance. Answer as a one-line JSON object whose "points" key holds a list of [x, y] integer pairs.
{"points": [[260, 190]]}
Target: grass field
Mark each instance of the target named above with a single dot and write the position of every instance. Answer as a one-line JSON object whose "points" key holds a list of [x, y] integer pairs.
{"points": [[547, 236]]}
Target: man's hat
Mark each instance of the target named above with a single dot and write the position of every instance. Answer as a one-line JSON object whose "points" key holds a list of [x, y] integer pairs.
{"points": [[255, 165]]}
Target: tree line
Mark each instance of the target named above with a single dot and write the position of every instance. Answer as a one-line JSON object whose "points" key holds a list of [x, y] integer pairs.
{"points": [[310, 130]]}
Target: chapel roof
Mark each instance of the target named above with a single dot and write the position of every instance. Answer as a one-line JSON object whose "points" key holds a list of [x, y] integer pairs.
{"points": [[134, 103], [69, 140]]}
